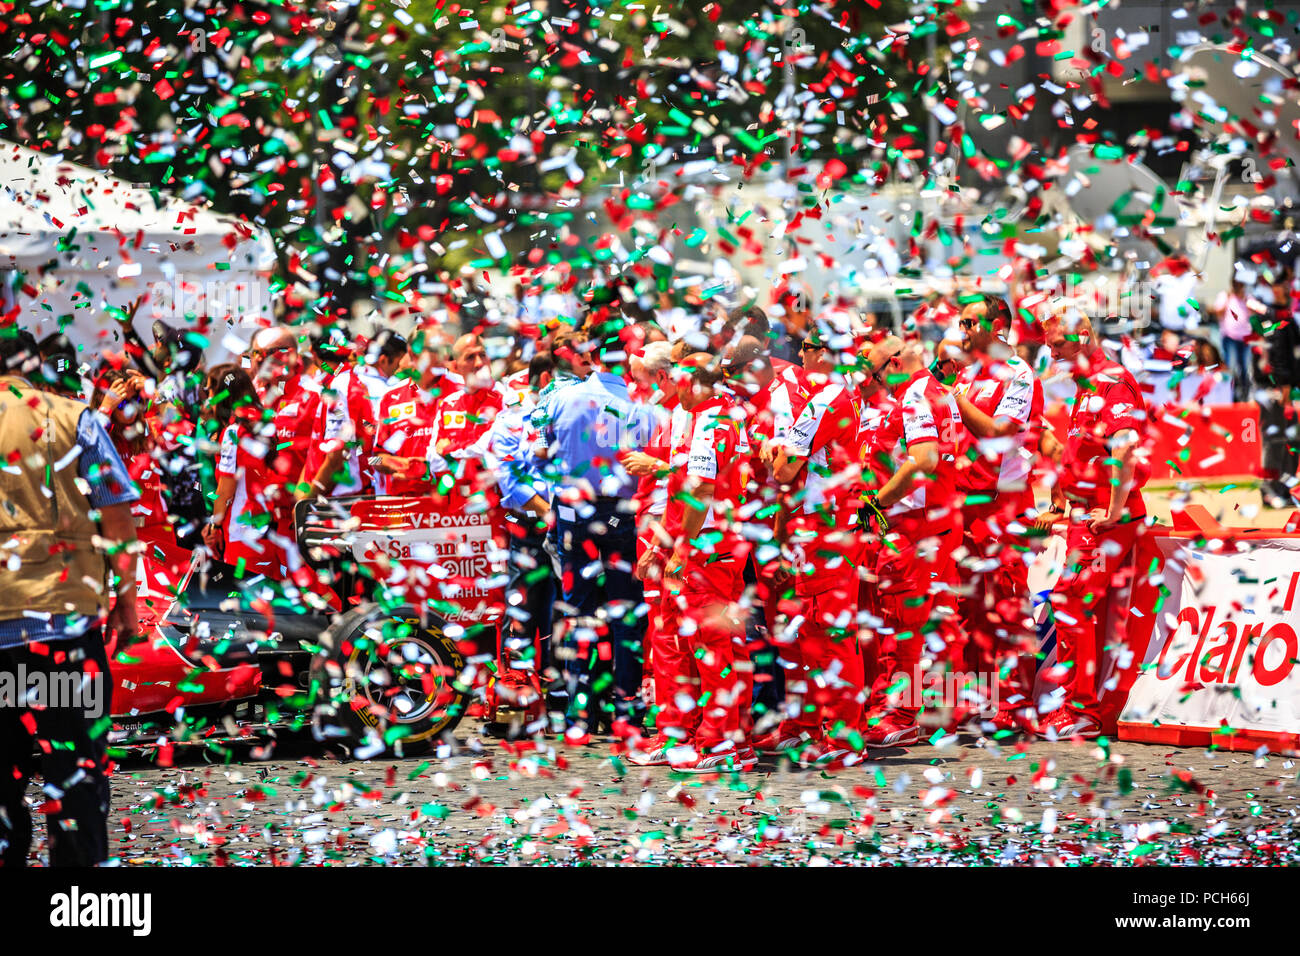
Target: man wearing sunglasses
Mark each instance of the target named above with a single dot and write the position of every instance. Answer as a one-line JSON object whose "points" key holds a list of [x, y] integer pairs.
{"points": [[814, 354], [924, 528], [1001, 402], [1102, 472], [821, 461]]}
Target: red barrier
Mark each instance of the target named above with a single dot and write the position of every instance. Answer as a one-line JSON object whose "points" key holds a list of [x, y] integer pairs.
{"points": [[1195, 441], [1210, 639]]}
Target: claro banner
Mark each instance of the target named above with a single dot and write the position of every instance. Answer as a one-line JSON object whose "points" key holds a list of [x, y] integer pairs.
{"points": [[1212, 629]]}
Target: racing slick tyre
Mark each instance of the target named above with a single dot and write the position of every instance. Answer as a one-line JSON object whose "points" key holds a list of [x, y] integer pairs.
{"points": [[385, 681]]}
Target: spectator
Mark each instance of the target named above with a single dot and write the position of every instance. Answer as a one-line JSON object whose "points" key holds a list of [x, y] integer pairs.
{"points": [[1279, 379], [59, 372], [70, 540], [178, 358], [1162, 368], [1204, 380], [790, 332], [121, 401], [1175, 284], [1233, 311]]}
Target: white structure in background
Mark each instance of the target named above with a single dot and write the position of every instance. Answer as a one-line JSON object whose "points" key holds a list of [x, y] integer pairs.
{"points": [[734, 238], [74, 241]]}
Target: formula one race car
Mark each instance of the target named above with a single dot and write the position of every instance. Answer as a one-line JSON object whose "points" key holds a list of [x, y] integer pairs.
{"points": [[382, 642]]}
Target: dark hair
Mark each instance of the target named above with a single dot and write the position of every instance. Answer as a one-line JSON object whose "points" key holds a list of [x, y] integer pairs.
{"points": [[541, 364], [135, 437], [708, 374], [230, 388], [605, 336], [327, 346], [59, 363], [183, 355], [570, 342], [633, 311], [1206, 353], [747, 351], [751, 320], [388, 344], [17, 346], [996, 309]]}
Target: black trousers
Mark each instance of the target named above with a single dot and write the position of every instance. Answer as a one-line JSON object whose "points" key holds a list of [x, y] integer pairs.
{"points": [[1280, 437], [66, 745], [530, 592], [598, 554]]}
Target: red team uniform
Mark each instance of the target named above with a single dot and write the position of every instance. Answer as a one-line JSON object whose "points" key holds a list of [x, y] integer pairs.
{"points": [[463, 418], [994, 480], [244, 455], [407, 416], [295, 421], [823, 535], [1108, 402], [699, 645], [347, 416], [772, 411], [915, 560]]}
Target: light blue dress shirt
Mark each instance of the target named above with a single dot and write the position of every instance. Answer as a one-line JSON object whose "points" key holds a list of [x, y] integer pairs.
{"points": [[588, 425], [518, 470]]}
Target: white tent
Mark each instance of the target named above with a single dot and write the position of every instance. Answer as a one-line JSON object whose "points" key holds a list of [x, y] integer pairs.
{"points": [[82, 241]]}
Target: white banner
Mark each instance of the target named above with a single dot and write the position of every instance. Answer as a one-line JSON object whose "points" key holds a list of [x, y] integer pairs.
{"points": [[1223, 648]]}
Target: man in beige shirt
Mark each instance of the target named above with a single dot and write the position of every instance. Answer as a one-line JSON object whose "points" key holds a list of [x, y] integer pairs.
{"points": [[67, 569]]}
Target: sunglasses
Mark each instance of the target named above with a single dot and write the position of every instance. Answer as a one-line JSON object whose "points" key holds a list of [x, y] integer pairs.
{"points": [[811, 347], [883, 366]]}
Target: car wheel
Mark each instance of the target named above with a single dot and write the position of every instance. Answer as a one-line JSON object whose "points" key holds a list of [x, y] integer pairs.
{"points": [[385, 681]]}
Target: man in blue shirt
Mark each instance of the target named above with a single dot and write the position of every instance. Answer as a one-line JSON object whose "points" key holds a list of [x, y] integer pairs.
{"points": [[588, 426], [63, 492]]}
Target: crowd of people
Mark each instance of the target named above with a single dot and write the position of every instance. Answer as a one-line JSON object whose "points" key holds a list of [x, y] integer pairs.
{"points": [[713, 551]]}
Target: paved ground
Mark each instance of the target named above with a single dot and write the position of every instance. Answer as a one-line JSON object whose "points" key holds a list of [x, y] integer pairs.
{"points": [[965, 801]]}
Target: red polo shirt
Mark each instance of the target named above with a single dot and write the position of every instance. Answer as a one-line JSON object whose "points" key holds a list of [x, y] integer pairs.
{"points": [[1108, 402], [406, 423], [1001, 389], [926, 413], [824, 528]]}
